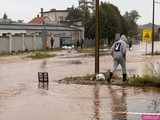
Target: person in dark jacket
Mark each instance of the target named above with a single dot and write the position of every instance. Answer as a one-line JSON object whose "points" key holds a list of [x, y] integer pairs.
{"points": [[52, 42]]}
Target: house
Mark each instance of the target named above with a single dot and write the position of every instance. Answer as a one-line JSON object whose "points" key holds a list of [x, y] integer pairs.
{"points": [[57, 18], [19, 36], [54, 16]]}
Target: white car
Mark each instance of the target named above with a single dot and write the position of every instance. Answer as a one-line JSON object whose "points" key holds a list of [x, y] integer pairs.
{"points": [[68, 47]]}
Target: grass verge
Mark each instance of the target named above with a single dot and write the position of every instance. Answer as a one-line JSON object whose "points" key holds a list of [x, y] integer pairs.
{"points": [[151, 77], [145, 80], [40, 55], [86, 50]]}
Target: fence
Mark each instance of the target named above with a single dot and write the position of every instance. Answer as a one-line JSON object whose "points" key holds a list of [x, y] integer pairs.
{"points": [[17, 43]]}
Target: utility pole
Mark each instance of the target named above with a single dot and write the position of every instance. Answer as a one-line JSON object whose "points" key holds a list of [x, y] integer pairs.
{"points": [[153, 27], [97, 38]]}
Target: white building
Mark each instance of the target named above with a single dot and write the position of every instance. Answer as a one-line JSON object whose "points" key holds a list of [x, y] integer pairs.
{"points": [[37, 33], [55, 16]]}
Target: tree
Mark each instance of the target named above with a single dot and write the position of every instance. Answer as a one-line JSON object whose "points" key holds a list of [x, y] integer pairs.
{"points": [[111, 21], [80, 14], [74, 15], [130, 20], [5, 16], [87, 4]]}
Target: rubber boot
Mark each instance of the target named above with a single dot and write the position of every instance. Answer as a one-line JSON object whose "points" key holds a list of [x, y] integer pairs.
{"points": [[124, 77], [110, 76]]}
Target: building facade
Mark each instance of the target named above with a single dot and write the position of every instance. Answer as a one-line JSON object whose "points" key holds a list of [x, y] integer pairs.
{"points": [[38, 32], [55, 16], [20, 37]]}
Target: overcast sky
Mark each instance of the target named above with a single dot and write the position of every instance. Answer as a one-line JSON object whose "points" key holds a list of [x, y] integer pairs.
{"points": [[27, 9]]}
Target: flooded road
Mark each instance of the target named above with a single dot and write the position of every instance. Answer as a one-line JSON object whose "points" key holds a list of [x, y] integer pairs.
{"points": [[22, 99], [77, 102]]}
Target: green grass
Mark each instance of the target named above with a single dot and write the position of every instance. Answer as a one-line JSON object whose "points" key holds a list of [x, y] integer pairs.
{"points": [[145, 80], [50, 50], [86, 50], [155, 53], [40, 55], [3, 54], [151, 77]]}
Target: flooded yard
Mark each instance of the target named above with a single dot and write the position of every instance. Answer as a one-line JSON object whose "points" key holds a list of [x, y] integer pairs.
{"points": [[22, 99]]}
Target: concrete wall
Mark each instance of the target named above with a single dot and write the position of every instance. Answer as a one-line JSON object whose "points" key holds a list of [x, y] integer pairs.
{"points": [[4, 44], [28, 42], [18, 43], [38, 43], [33, 40]]}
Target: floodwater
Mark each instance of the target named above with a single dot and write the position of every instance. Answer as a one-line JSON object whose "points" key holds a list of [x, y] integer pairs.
{"points": [[21, 98], [78, 102]]}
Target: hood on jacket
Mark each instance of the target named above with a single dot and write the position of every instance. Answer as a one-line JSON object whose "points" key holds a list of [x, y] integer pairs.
{"points": [[123, 37]]}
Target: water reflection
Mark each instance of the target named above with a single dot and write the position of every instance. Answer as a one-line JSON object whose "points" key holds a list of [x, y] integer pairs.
{"points": [[43, 65], [118, 103], [155, 105], [96, 103], [43, 85]]}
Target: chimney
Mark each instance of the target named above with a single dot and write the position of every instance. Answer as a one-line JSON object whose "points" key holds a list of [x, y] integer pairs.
{"points": [[41, 12]]}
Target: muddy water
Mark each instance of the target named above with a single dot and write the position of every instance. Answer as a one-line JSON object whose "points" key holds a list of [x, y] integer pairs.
{"points": [[21, 99], [78, 102]]}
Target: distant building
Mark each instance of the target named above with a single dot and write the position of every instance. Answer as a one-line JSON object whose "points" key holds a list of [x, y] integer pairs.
{"points": [[5, 19], [19, 36], [52, 16], [70, 32], [55, 16], [39, 20]]}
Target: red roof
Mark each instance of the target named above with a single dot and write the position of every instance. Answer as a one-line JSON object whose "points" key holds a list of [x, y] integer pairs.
{"points": [[37, 20]]}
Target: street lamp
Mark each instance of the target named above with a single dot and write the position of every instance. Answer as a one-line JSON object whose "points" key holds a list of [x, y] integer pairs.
{"points": [[97, 38]]}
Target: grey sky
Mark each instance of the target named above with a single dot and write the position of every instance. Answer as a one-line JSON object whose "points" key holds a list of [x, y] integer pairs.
{"points": [[144, 7], [27, 9]]}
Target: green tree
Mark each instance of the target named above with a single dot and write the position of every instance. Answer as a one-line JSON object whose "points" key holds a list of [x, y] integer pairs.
{"points": [[5, 16], [82, 14], [111, 21], [130, 20], [74, 15]]}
